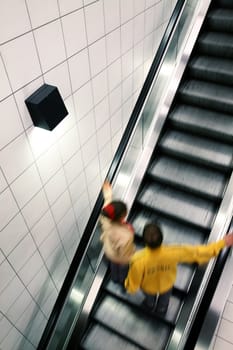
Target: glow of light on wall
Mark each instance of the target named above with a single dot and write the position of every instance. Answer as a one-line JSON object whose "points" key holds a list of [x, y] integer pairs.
{"points": [[41, 140]]}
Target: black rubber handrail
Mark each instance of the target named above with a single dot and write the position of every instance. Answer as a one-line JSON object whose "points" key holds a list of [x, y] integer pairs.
{"points": [[110, 176]]}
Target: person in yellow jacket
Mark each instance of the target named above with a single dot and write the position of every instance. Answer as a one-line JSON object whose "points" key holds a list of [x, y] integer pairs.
{"points": [[154, 268], [117, 235]]}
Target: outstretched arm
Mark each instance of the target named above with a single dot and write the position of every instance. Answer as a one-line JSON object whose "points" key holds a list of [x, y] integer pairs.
{"points": [[107, 192]]}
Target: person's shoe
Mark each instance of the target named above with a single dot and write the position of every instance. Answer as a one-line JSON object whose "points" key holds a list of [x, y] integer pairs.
{"points": [[161, 312], [146, 306]]}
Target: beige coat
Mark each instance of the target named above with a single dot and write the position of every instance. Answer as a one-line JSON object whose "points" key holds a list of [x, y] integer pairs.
{"points": [[117, 238]]}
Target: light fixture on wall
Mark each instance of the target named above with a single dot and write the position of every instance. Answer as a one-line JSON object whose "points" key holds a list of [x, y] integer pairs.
{"points": [[46, 107]]}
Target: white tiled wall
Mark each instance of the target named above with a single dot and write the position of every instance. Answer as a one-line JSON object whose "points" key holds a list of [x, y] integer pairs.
{"points": [[223, 339], [97, 53]]}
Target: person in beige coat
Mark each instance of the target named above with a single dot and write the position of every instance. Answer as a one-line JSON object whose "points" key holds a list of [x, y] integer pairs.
{"points": [[117, 235]]}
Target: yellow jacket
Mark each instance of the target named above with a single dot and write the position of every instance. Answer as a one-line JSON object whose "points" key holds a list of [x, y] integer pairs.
{"points": [[154, 270]]}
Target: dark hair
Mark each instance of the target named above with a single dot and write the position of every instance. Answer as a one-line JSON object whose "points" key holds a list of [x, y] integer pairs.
{"points": [[152, 235], [115, 210]]}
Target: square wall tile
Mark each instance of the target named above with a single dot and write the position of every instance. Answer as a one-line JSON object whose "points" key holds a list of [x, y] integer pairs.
{"points": [[114, 74], [113, 41], [77, 187], [149, 21], [116, 122], [8, 208], [13, 127], [10, 294], [27, 274], [94, 17], [127, 32], [139, 28], [73, 26], [42, 278], [225, 330], [15, 158], [61, 206], [83, 100], [35, 209], [221, 344], [21, 254], [86, 127], [92, 170], [89, 150], [111, 14], [69, 144], [127, 10], [50, 44], [127, 64], [13, 52], [55, 186], [79, 69], [102, 113], [3, 183], [43, 228], [69, 6], [139, 6], [12, 234], [6, 275], [49, 163], [100, 86], [97, 54], [50, 244], [73, 167], [26, 186], [42, 12], [67, 224], [20, 305], [115, 100], [103, 135], [5, 89], [10, 26], [59, 77], [5, 327]]}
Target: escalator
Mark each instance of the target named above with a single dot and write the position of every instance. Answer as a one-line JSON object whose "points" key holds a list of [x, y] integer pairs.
{"points": [[182, 188]]}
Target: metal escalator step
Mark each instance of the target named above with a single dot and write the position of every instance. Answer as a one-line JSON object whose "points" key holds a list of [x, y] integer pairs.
{"points": [[144, 330], [188, 176], [220, 20], [212, 69], [137, 298], [216, 44], [198, 149], [100, 338], [174, 232], [182, 206], [204, 121], [208, 95]]}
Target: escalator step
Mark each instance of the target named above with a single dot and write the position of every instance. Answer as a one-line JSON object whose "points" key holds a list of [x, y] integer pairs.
{"points": [[190, 177], [137, 299], [198, 149], [179, 205], [220, 20], [174, 232], [208, 95], [100, 338], [216, 44], [142, 329], [212, 69], [203, 121]]}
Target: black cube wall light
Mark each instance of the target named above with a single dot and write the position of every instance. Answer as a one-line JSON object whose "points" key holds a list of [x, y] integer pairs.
{"points": [[46, 107]]}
